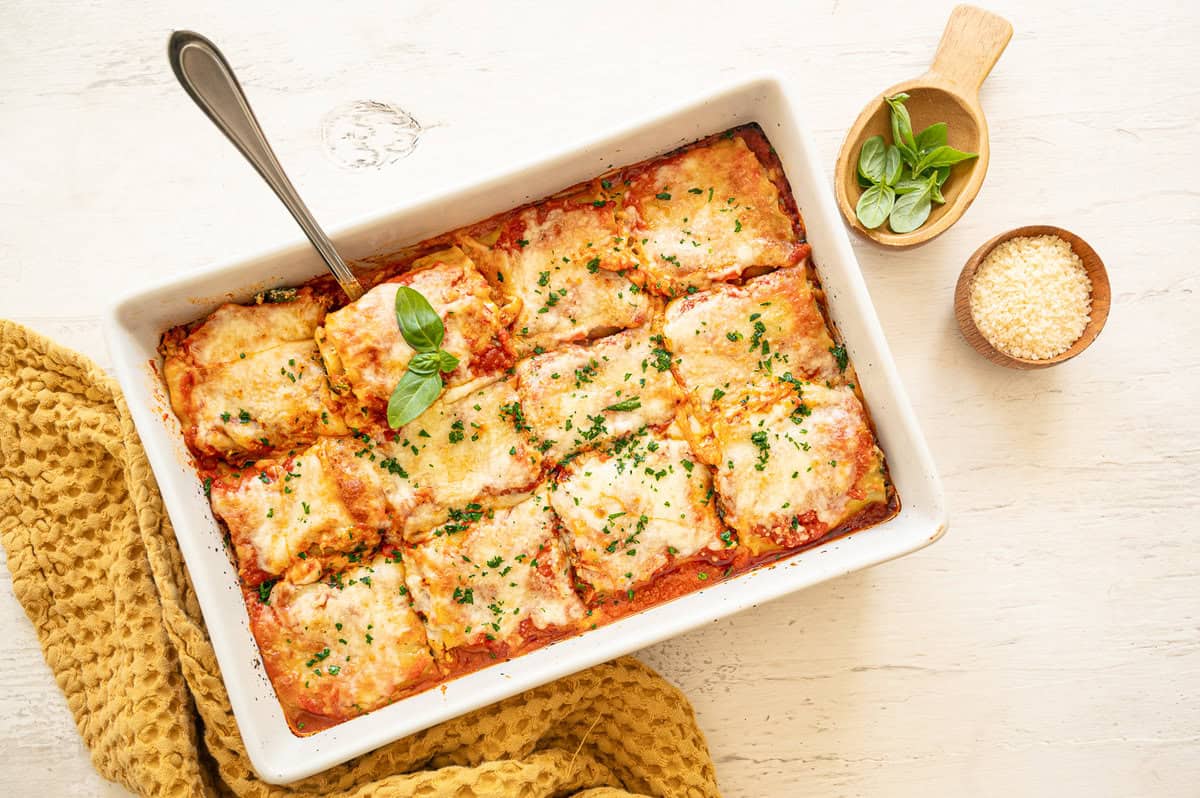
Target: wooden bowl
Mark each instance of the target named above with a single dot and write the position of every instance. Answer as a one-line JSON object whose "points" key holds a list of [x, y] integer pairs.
{"points": [[948, 92], [1101, 298]]}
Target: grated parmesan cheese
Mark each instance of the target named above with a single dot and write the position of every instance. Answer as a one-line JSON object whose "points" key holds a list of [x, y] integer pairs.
{"points": [[1031, 297]]}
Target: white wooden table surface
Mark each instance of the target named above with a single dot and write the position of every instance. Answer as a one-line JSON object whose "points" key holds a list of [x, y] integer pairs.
{"points": [[1049, 645]]}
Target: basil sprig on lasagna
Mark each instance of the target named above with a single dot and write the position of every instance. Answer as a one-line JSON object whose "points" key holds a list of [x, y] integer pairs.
{"points": [[421, 384]]}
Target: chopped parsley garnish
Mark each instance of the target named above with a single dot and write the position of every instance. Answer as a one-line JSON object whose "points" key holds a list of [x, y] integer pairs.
{"points": [[264, 591], [759, 439], [632, 403], [392, 466], [318, 657], [513, 412], [464, 596], [840, 355]]}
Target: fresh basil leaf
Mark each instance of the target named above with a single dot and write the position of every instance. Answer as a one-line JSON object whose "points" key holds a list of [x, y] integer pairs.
{"points": [[902, 134], [871, 159], [932, 136], [911, 210], [909, 185], [935, 193], [424, 363], [941, 156], [419, 323], [893, 166], [942, 173], [874, 205], [863, 182], [412, 396], [446, 361]]}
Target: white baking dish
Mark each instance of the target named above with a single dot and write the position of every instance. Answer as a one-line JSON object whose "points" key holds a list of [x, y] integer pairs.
{"points": [[134, 324]]}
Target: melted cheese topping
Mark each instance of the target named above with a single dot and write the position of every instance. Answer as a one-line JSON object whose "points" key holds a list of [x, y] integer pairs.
{"points": [[340, 648], [303, 515], [249, 381], [366, 352], [581, 396], [636, 509], [234, 330], [733, 339], [488, 584], [558, 263], [455, 454], [271, 400], [706, 215], [790, 469]]}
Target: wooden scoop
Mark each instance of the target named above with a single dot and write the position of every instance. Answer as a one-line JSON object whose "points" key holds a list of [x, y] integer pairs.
{"points": [[948, 92]]}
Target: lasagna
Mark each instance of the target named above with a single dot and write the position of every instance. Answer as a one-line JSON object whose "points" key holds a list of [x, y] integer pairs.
{"points": [[248, 380], [500, 582], [584, 395], [634, 509], [707, 215], [560, 266], [647, 398], [367, 355]]}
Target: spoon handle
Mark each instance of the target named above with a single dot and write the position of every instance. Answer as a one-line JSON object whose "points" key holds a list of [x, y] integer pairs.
{"points": [[970, 46], [207, 77]]}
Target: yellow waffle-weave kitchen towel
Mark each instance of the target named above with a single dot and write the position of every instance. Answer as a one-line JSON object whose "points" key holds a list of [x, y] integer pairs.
{"points": [[95, 564]]}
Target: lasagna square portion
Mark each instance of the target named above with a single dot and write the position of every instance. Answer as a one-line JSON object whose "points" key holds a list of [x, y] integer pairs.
{"points": [[733, 339], [249, 380], [463, 450], [322, 509], [635, 509], [366, 353], [560, 266], [706, 215], [338, 648], [500, 584], [582, 395], [792, 465]]}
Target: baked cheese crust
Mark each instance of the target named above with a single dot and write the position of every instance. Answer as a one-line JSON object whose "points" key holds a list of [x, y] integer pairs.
{"points": [[367, 354], [579, 396], [496, 584], [249, 380], [343, 646], [739, 338], [636, 508], [460, 452], [794, 464], [706, 215], [560, 264], [301, 516]]}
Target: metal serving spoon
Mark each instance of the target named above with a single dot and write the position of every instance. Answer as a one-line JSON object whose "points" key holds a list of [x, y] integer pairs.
{"points": [[207, 77]]}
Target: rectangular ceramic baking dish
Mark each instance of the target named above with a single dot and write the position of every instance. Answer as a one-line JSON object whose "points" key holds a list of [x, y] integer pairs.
{"points": [[134, 324]]}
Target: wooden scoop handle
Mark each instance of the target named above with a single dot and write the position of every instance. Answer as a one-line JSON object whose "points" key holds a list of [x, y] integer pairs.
{"points": [[970, 46]]}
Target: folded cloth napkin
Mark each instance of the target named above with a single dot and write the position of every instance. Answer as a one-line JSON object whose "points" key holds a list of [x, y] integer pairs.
{"points": [[95, 564]]}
